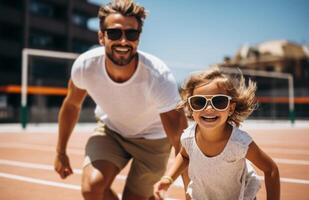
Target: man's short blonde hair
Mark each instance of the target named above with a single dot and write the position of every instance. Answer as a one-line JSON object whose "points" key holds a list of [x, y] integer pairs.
{"points": [[125, 7]]}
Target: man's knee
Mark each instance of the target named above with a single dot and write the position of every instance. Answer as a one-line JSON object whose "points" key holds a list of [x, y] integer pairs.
{"points": [[93, 187], [97, 179]]}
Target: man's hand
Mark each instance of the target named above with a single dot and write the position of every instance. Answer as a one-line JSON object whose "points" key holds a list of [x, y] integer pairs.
{"points": [[62, 165]]}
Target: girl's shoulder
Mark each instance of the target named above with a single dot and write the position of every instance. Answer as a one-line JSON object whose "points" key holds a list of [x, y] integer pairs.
{"points": [[189, 132], [241, 137], [238, 145], [188, 136]]}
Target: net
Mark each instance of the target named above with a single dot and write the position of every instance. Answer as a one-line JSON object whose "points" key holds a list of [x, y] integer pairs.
{"points": [[275, 93], [45, 75]]}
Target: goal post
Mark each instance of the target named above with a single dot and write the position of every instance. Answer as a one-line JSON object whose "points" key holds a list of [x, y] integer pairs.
{"points": [[26, 52], [278, 75]]}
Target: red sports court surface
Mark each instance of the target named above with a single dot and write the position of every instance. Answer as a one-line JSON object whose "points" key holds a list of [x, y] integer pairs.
{"points": [[26, 161]]}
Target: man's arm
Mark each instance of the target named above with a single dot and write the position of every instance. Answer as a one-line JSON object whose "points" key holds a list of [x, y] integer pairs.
{"points": [[67, 118], [174, 122]]}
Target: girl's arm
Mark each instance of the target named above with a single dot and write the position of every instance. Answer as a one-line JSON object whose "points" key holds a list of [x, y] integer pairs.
{"points": [[270, 169], [180, 164]]}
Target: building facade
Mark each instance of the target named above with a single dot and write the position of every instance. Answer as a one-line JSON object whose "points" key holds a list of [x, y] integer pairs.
{"points": [[57, 25], [282, 57]]}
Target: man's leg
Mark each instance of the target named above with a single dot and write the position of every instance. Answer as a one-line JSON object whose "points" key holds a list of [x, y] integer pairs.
{"points": [[129, 195], [97, 178], [148, 165], [104, 158]]}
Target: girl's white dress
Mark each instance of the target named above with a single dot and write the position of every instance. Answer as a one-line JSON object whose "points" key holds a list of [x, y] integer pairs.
{"points": [[227, 176]]}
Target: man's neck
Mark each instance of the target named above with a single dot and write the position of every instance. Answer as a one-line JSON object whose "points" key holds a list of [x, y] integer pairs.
{"points": [[120, 74]]}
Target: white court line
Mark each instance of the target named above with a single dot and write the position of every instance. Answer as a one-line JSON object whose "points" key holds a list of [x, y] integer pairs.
{"points": [[290, 180], [80, 151], [39, 181], [76, 151], [38, 147], [45, 182], [290, 161], [178, 182], [289, 151], [42, 167], [89, 127], [302, 143]]}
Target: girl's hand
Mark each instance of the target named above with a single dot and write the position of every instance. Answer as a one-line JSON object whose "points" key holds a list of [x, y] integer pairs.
{"points": [[188, 197], [160, 188]]}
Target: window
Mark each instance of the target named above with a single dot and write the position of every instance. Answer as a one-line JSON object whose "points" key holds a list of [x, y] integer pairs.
{"points": [[80, 46], [38, 40], [10, 32], [12, 4], [44, 40], [80, 19], [40, 8]]}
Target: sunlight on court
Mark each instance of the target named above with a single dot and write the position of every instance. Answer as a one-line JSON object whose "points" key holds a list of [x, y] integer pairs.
{"points": [[26, 159]]}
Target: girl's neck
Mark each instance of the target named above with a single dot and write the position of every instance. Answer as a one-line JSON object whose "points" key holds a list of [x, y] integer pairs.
{"points": [[215, 134]]}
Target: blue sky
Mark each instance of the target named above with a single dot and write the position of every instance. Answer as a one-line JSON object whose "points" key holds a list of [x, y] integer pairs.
{"points": [[190, 35]]}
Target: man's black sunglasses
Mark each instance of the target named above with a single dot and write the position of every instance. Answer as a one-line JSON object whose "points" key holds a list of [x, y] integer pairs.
{"points": [[116, 34]]}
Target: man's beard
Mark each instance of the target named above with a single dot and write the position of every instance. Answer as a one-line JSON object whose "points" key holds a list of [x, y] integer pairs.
{"points": [[120, 61]]}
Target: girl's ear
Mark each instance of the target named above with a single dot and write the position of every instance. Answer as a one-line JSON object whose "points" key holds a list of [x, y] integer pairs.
{"points": [[101, 37], [232, 108]]}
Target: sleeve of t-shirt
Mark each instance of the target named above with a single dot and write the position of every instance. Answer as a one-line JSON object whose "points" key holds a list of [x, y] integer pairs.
{"points": [[77, 73], [165, 92], [244, 140], [187, 137], [184, 140]]}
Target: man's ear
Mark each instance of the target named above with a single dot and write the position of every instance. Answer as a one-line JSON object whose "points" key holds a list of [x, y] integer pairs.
{"points": [[101, 37]]}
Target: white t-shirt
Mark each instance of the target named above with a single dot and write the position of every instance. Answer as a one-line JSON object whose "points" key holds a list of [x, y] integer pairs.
{"points": [[225, 176], [131, 108]]}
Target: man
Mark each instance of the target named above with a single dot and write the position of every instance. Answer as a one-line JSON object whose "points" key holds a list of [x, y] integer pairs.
{"points": [[136, 97]]}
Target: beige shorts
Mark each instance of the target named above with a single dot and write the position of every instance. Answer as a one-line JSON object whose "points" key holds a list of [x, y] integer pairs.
{"points": [[149, 157]]}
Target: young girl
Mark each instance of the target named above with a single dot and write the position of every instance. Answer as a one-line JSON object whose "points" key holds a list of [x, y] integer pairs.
{"points": [[213, 148]]}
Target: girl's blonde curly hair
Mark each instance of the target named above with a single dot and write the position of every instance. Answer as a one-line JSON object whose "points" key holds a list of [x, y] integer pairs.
{"points": [[234, 85]]}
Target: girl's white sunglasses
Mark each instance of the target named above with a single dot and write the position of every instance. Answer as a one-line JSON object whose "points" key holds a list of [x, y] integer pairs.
{"points": [[219, 102]]}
